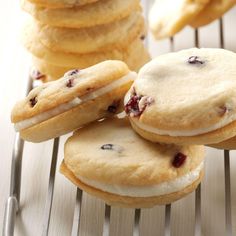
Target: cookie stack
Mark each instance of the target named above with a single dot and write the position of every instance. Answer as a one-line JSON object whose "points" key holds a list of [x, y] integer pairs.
{"points": [[166, 20], [77, 34]]}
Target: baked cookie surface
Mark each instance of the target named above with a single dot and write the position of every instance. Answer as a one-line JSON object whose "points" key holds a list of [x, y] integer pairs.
{"points": [[61, 3], [98, 13], [81, 96], [116, 35], [167, 17], [114, 163], [212, 11], [184, 97]]}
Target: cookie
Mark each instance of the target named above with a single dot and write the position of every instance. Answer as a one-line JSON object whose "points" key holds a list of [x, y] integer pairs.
{"points": [[213, 10], [109, 160], [187, 97], [134, 62], [168, 17], [229, 144], [98, 13], [80, 97], [116, 35], [61, 3], [73, 60]]}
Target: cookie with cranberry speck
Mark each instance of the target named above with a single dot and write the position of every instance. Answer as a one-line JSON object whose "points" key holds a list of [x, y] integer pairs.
{"points": [[61, 3], [109, 160], [97, 13], [81, 96], [186, 97]]}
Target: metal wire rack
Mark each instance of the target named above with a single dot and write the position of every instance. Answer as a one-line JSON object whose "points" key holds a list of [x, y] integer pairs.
{"points": [[12, 205]]}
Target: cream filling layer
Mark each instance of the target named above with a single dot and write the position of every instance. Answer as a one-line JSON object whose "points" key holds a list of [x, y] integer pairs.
{"points": [[147, 191], [75, 102], [182, 133]]}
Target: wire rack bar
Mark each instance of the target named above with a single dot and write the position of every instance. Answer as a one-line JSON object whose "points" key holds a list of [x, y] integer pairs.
{"points": [[77, 213], [137, 215], [48, 206], [106, 225], [167, 231]]}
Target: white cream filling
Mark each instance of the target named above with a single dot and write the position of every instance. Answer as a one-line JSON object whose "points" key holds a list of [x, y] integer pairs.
{"points": [[147, 191], [75, 102], [225, 121]]}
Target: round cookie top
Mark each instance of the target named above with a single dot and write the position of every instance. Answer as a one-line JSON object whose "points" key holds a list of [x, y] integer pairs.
{"points": [[190, 90], [61, 3], [111, 152], [75, 84], [97, 13]]}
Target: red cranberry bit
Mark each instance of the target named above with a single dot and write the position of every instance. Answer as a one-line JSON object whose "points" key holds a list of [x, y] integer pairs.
{"points": [[195, 60], [113, 107], [142, 37], [132, 106], [107, 146], [72, 72], [222, 110], [179, 160], [33, 101], [70, 83], [36, 75]]}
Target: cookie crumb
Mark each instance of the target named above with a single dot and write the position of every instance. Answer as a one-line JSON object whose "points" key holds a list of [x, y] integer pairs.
{"points": [[179, 160], [195, 60]]}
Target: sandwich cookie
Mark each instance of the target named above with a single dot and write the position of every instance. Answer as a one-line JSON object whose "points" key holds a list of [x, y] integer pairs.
{"points": [[71, 60], [55, 72], [98, 13], [213, 10], [80, 97], [116, 35], [229, 144], [61, 3], [109, 160], [168, 17], [187, 97]]}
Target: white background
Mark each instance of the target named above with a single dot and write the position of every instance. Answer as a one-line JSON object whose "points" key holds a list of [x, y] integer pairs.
{"points": [[14, 64]]}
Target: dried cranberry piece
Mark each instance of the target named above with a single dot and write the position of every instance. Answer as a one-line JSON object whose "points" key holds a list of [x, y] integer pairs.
{"points": [[222, 110], [108, 146], [195, 60], [69, 83], [113, 107], [72, 72], [179, 160], [142, 37], [33, 101], [132, 106]]}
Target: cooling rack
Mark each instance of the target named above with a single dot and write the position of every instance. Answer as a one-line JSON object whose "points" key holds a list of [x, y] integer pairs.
{"points": [[139, 223]]}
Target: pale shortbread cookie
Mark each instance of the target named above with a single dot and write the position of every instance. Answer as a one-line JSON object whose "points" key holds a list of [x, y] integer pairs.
{"points": [[73, 60], [213, 10], [229, 144], [109, 160], [186, 97], [100, 12], [100, 38], [81, 96], [134, 62], [61, 3], [168, 17]]}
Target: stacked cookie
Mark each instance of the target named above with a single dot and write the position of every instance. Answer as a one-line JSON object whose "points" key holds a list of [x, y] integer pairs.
{"points": [[166, 19], [68, 34]]}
